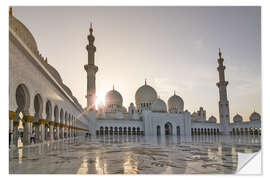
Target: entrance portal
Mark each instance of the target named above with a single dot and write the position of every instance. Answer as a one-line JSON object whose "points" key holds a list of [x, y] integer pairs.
{"points": [[168, 129]]}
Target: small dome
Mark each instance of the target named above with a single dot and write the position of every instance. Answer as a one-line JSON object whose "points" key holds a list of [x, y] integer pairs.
{"points": [[145, 94], [159, 106], [175, 104], [25, 35], [255, 116], [113, 97], [212, 119], [237, 118]]}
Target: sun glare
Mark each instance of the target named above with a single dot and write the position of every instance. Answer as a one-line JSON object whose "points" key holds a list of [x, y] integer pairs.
{"points": [[100, 100]]}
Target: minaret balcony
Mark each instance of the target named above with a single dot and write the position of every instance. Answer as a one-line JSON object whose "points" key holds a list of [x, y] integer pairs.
{"points": [[221, 68], [222, 83], [93, 67]]}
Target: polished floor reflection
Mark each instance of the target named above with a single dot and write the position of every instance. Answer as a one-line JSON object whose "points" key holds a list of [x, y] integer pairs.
{"points": [[134, 155]]}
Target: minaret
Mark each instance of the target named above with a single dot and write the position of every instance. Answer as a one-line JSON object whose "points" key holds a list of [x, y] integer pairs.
{"points": [[91, 70], [224, 111]]}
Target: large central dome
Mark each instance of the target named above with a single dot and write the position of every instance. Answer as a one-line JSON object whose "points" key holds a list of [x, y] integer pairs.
{"points": [[145, 95]]}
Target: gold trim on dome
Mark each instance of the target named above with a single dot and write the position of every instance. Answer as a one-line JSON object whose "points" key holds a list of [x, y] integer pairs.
{"points": [[57, 124]]}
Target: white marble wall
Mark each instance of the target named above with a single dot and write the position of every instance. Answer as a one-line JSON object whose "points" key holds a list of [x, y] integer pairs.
{"points": [[25, 68]]}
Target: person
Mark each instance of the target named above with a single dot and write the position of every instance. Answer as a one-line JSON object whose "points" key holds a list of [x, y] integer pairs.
{"points": [[33, 137]]}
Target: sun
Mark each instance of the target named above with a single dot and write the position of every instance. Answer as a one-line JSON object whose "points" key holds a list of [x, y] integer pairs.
{"points": [[100, 100]]}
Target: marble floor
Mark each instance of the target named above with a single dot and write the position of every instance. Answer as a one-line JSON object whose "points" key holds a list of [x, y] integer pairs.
{"points": [[134, 155]]}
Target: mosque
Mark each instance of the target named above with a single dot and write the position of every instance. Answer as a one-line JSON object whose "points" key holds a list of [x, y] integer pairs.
{"points": [[40, 102], [151, 116]]}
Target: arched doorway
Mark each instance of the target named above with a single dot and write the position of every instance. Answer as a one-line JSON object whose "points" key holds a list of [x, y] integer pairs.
{"points": [[39, 127], [101, 131], [106, 130], [120, 131], [18, 133], [49, 132], [57, 123], [115, 130], [129, 130], [133, 131], [168, 129], [178, 131], [111, 130], [158, 131], [138, 131]]}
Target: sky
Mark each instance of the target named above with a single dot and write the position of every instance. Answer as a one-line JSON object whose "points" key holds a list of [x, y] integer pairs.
{"points": [[174, 48]]}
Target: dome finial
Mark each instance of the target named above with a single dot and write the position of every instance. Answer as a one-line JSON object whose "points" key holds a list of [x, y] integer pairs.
{"points": [[91, 28], [113, 87], [10, 11], [219, 53], [174, 92], [145, 81]]}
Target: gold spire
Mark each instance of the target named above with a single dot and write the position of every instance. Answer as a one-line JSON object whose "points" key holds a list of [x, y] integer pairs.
{"points": [[91, 28], [219, 53], [113, 87], [10, 11]]}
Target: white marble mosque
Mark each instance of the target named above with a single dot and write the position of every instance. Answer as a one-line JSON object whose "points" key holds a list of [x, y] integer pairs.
{"points": [[40, 102]]}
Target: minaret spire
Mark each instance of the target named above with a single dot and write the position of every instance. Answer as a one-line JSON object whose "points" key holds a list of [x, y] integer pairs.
{"points": [[224, 110], [91, 70], [10, 11], [219, 53], [91, 28]]}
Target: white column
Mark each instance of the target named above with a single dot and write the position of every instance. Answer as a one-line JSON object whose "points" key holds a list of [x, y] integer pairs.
{"points": [[28, 119], [57, 131], [62, 132], [51, 123], [12, 116]]}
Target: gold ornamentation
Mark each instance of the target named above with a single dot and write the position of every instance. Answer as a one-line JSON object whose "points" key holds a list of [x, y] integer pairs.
{"points": [[15, 123], [10, 11], [42, 121], [12, 115], [51, 123], [28, 119]]}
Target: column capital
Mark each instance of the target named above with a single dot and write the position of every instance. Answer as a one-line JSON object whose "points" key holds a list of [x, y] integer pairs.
{"points": [[15, 123], [42, 121], [51, 123], [29, 118], [12, 115]]}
